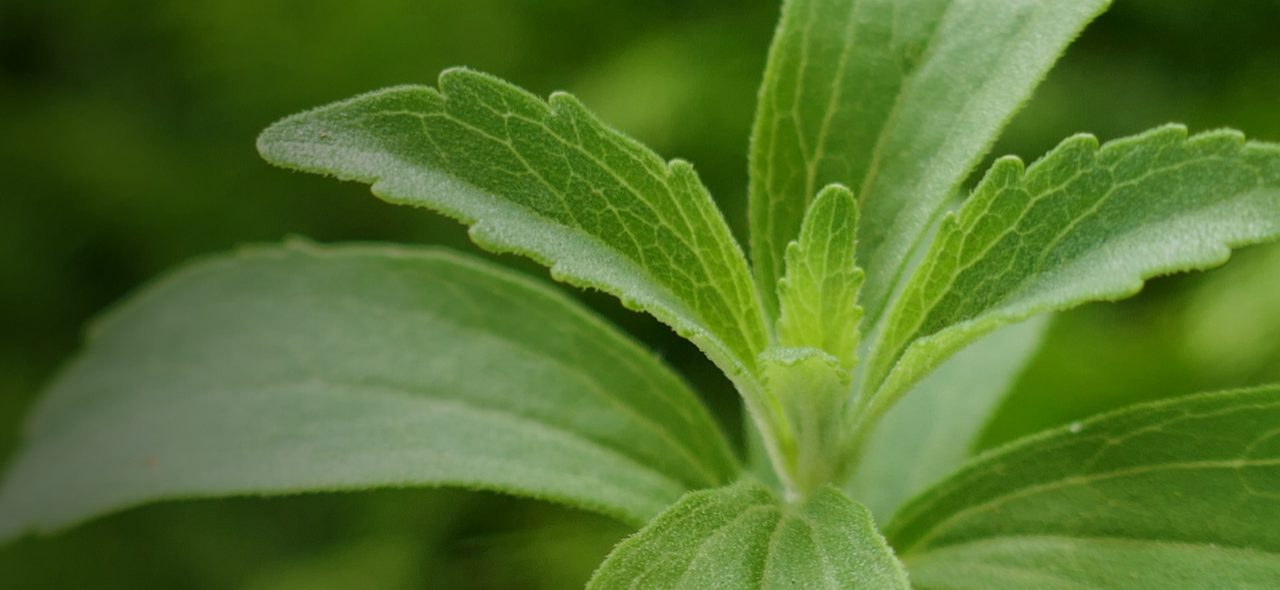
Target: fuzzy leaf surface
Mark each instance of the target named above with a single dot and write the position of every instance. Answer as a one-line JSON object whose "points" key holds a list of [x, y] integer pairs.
{"points": [[547, 180], [309, 368], [1081, 224], [897, 100], [1175, 494], [819, 292], [932, 430], [743, 537]]}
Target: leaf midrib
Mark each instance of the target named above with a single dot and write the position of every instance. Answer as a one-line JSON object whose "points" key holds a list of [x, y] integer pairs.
{"points": [[878, 313], [746, 334], [785, 517], [850, 38], [1039, 272]]}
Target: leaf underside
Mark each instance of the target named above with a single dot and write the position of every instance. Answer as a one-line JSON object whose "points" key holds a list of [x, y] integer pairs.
{"points": [[547, 180], [744, 538], [896, 100], [307, 368], [1176, 494], [1081, 224]]}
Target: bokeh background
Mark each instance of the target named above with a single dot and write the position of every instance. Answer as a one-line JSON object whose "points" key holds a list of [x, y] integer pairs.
{"points": [[127, 146]]}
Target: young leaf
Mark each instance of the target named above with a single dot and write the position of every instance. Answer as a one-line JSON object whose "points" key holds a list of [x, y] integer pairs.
{"points": [[897, 100], [932, 431], [282, 370], [743, 538], [807, 390], [819, 292], [1160, 495], [1082, 224], [547, 180]]}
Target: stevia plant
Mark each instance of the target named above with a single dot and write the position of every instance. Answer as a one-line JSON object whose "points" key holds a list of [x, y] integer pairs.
{"points": [[870, 338]]}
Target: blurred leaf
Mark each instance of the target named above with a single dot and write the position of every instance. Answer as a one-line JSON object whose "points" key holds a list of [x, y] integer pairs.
{"points": [[308, 368], [1233, 322], [1175, 494], [367, 564], [222, 544], [935, 428], [557, 556]]}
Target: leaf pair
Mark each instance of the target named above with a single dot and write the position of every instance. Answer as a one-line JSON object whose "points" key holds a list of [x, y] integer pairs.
{"points": [[1176, 494]]}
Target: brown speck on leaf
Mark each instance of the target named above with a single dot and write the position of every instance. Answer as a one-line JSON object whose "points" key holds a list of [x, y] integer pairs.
{"points": [[149, 463], [322, 135]]}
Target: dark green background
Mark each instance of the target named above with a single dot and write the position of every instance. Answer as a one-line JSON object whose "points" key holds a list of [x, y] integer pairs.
{"points": [[126, 147]]}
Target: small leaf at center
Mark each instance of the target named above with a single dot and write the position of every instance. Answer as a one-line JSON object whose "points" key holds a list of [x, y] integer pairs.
{"points": [[819, 292]]}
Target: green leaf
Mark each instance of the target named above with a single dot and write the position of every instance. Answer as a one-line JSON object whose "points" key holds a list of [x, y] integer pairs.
{"points": [[547, 180], [819, 293], [1054, 563], [932, 431], [806, 378], [742, 537], [1175, 494], [757, 461], [1082, 224], [282, 370], [898, 100], [807, 390]]}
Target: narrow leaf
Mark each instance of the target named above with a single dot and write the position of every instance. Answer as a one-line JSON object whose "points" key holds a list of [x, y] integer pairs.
{"points": [[1154, 494], [743, 537], [898, 100], [819, 293], [549, 181], [1054, 563], [1082, 224], [932, 431], [282, 370]]}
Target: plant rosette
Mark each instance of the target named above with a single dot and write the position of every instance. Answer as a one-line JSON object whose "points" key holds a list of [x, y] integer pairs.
{"points": [[870, 337]]}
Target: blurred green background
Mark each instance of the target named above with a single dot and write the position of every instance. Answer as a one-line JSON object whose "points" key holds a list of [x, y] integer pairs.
{"points": [[126, 147]]}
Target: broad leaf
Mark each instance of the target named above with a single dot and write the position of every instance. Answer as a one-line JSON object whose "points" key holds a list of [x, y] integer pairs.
{"points": [[819, 292], [932, 431], [1082, 224], [896, 99], [547, 180], [1176, 494], [282, 370], [744, 538]]}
